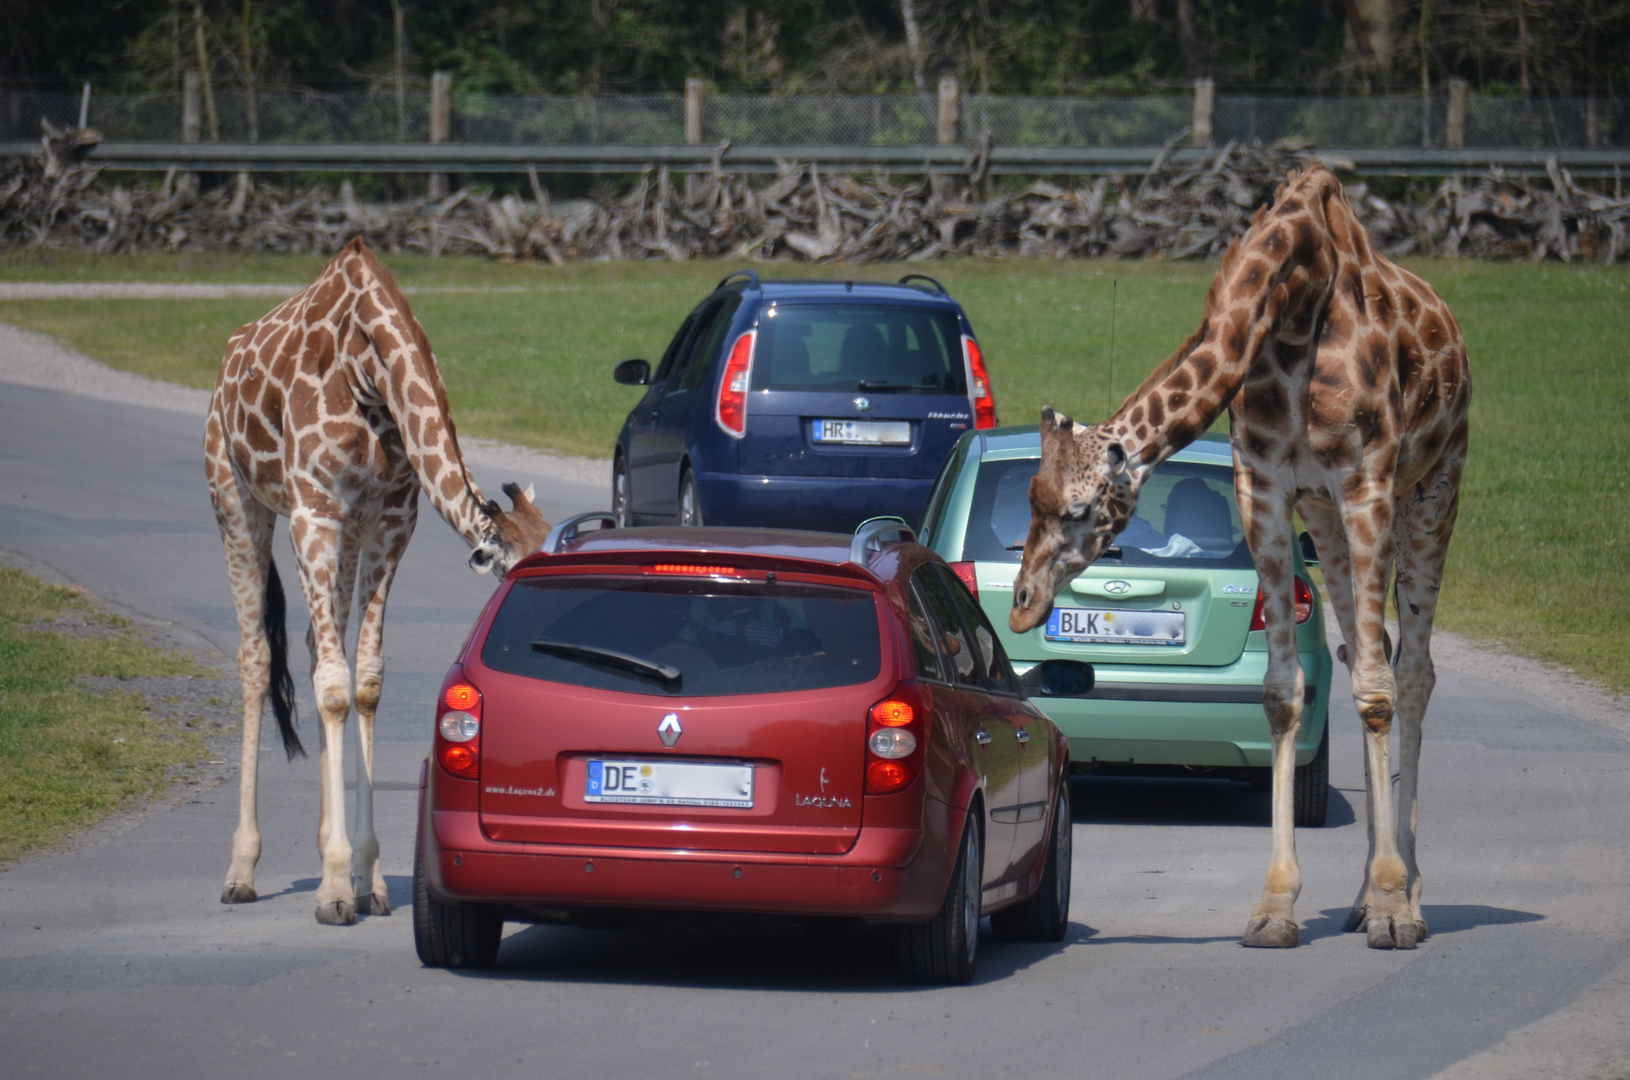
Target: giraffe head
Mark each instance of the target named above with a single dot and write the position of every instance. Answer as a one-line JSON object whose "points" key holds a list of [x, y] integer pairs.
{"points": [[516, 533], [1080, 499]]}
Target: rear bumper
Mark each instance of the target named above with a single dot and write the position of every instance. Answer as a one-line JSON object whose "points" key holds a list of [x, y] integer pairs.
{"points": [[822, 503], [889, 875], [1216, 723]]}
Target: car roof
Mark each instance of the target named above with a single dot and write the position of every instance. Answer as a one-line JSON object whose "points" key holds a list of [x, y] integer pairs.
{"points": [[1024, 441], [761, 547], [837, 291]]}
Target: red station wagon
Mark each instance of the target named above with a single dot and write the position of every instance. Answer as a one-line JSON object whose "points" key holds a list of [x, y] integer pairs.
{"points": [[722, 720]]}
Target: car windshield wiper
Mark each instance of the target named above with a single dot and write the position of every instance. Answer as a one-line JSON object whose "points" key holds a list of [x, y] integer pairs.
{"points": [[1109, 552], [664, 672]]}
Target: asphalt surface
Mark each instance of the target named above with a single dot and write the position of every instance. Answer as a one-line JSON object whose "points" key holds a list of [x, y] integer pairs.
{"points": [[116, 957]]}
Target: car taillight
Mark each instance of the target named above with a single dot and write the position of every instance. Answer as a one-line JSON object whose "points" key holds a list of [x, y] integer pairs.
{"points": [[731, 409], [964, 571], [1304, 606], [984, 402], [458, 730], [895, 734]]}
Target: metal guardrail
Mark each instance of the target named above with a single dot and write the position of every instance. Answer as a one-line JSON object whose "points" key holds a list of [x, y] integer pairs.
{"points": [[500, 158]]}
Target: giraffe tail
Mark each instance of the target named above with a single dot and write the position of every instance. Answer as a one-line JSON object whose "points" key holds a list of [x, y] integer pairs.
{"points": [[275, 622]]}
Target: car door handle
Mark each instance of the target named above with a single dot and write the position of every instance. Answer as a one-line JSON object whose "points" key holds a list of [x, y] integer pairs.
{"points": [[982, 738], [1022, 735]]}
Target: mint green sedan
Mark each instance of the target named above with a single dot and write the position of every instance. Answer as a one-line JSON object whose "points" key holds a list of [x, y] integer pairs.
{"points": [[1170, 618]]}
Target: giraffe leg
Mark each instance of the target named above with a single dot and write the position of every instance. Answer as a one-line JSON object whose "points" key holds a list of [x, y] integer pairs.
{"points": [[1265, 508], [318, 544], [246, 532], [382, 553]]}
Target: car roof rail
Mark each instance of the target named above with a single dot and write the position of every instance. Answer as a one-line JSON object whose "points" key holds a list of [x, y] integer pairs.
{"points": [[873, 533], [751, 277], [566, 531], [909, 278]]}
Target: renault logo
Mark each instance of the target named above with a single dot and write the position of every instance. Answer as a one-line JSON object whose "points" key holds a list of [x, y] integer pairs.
{"points": [[1117, 588], [669, 729], [863, 404]]}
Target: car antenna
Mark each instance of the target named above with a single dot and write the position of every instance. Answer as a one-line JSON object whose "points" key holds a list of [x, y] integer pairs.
{"points": [[1114, 287]]}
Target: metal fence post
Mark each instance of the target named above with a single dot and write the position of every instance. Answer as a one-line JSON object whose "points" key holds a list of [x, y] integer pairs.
{"points": [[1205, 100], [441, 123], [1454, 131], [950, 99], [85, 107]]}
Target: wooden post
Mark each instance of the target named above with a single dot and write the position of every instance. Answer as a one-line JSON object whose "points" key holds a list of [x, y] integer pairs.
{"points": [[441, 124], [950, 100], [693, 130], [1205, 101], [192, 124], [1454, 133]]}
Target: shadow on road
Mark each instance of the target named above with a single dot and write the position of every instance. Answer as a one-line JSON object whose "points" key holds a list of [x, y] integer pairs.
{"points": [[1131, 800], [1440, 919]]}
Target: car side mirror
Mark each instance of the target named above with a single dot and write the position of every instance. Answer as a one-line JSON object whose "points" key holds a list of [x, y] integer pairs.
{"points": [[632, 373], [1310, 555], [1058, 678]]}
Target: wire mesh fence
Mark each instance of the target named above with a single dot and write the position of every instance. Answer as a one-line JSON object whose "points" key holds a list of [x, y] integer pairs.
{"points": [[315, 116]]}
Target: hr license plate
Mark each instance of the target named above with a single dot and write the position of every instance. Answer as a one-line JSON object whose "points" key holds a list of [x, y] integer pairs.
{"points": [[863, 432], [670, 783], [1098, 626]]}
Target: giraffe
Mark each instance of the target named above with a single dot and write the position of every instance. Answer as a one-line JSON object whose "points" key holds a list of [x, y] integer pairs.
{"points": [[330, 411], [1347, 386]]}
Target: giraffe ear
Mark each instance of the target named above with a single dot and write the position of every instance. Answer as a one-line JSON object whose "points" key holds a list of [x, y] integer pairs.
{"points": [[484, 557], [1115, 455]]}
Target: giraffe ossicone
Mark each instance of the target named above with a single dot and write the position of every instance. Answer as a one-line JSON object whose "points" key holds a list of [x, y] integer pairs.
{"points": [[1348, 389], [330, 411]]}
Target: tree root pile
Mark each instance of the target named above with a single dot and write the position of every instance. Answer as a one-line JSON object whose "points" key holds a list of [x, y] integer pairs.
{"points": [[1173, 211]]}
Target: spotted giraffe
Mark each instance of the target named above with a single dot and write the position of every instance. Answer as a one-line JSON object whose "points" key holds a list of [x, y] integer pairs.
{"points": [[1347, 386], [330, 411]]}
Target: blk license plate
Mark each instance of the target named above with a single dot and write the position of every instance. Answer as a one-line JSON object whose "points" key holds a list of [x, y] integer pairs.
{"points": [[862, 432], [1101, 626], [669, 783]]}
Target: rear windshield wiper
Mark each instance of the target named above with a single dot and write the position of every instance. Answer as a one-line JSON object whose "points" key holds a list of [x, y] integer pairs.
{"points": [[664, 672], [1109, 552]]}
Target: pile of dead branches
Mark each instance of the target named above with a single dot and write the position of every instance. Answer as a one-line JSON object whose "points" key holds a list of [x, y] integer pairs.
{"points": [[54, 200]]}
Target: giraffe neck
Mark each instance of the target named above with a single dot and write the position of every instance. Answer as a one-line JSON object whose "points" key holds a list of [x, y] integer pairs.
{"points": [[1179, 401]]}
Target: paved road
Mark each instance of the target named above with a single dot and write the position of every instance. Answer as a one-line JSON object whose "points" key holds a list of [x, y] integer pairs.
{"points": [[117, 959]]}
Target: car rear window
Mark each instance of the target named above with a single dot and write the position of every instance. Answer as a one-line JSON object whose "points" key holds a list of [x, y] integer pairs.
{"points": [[872, 347], [1186, 516], [725, 638]]}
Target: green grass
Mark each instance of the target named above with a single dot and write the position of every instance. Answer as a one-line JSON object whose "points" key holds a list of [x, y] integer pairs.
{"points": [[68, 756], [1539, 561]]}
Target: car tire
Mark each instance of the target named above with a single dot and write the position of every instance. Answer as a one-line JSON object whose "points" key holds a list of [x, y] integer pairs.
{"points": [[1312, 787], [943, 950], [621, 511], [690, 501], [1046, 915], [465, 936]]}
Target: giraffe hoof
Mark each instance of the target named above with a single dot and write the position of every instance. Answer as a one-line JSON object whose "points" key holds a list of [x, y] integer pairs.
{"points": [[1267, 933], [373, 904], [238, 894], [337, 913], [1357, 919], [1390, 934]]}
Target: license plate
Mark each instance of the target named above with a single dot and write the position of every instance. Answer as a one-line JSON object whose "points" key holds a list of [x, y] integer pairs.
{"points": [[863, 432], [1100, 626], [670, 783]]}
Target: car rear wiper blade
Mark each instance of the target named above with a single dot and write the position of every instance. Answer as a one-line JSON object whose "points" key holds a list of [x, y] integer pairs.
{"points": [[665, 672]]}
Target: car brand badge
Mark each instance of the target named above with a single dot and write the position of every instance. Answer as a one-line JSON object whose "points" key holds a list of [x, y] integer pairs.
{"points": [[863, 404], [669, 729], [1117, 588]]}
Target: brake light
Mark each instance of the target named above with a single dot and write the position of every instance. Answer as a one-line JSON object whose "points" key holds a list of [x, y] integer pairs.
{"points": [[458, 729], [964, 571], [1303, 608], [731, 409], [984, 403], [693, 569], [894, 740]]}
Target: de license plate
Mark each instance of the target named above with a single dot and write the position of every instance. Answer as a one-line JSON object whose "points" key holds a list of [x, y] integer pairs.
{"points": [[1102, 626], [669, 783], [863, 432]]}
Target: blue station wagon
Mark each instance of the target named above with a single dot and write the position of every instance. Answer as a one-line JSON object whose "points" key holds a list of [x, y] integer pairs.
{"points": [[802, 405]]}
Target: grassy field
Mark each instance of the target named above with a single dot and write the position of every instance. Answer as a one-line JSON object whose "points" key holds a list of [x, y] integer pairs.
{"points": [[68, 756], [1540, 562]]}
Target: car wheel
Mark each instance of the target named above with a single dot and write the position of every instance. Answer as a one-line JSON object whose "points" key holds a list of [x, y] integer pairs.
{"points": [[620, 510], [943, 950], [1046, 915], [690, 503], [1312, 787], [455, 937]]}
